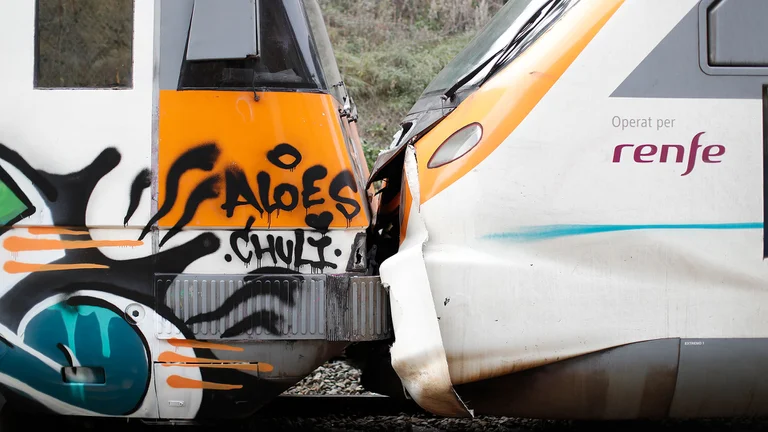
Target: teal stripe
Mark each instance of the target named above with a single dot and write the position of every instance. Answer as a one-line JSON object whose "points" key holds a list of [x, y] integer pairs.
{"points": [[546, 232]]}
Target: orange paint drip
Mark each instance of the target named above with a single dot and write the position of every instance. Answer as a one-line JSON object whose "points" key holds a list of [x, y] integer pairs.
{"points": [[18, 267], [189, 343], [237, 366], [55, 230], [21, 244], [180, 382]]}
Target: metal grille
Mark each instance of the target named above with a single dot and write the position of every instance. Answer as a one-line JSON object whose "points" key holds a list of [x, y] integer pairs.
{"points": [[236, 307], [358, 309], [369, 309]]}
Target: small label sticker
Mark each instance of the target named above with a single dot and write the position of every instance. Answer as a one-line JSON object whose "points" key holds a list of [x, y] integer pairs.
{"points": [[694, 343]]}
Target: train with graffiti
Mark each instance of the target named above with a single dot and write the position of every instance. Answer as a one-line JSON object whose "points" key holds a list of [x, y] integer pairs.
{"points": [[569, 223]]}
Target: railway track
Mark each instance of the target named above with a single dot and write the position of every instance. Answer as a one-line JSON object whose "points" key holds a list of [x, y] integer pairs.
{"points": [[365, 413]]}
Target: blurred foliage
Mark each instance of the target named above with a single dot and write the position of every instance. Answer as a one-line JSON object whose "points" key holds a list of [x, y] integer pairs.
{"points": [[389, 50], [84, 43]]}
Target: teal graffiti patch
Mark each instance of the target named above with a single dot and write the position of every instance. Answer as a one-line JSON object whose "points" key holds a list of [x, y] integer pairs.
{"points": [[547, 232], [98, 337]]}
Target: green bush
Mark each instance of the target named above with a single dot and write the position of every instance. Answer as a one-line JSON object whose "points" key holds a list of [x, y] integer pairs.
{"points": [[389, 51]]}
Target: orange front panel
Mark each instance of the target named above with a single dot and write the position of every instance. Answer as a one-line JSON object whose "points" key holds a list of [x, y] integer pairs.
{"points": [[226, 160]]}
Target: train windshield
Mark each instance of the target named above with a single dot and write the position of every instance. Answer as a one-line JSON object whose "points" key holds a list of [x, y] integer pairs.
{"points": [[287, 56], [495, 36]]}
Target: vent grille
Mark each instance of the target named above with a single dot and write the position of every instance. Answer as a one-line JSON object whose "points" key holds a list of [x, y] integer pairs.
{"points": [[236, 307]]}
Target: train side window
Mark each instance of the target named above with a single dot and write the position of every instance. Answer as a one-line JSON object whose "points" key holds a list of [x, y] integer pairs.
{"points": [[733, 37], [84, 44]]}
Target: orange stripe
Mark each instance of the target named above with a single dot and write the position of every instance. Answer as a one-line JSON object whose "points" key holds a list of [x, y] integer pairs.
{"points": [[506, 99], [20, 244], [18, 267], [191, 343], [55, 230], [172, 357], [176, 381], [239, 366]]}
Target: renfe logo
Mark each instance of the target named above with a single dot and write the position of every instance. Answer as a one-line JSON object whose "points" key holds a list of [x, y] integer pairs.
{"points": [[646, 153]]}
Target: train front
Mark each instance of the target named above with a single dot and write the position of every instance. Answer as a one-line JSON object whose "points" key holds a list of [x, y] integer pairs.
{"points": [[575, 207]]}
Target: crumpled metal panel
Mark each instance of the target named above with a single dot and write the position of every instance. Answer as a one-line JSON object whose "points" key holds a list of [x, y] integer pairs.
{"points": [[358, 309], [250, 307]]}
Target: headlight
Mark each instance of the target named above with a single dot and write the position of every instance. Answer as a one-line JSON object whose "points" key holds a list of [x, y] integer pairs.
{"points": [[457, 145]]}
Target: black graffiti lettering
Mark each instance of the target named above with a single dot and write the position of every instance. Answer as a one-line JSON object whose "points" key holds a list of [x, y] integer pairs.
{"points": [[342, 180], [142, 181], [281, 249], [284, 250], [264, 181], [269, 249], [275, 156], [320, 244], [202, 157], [236, 187], [280, 191], [242, 235], [206, 190], [313, 174]]}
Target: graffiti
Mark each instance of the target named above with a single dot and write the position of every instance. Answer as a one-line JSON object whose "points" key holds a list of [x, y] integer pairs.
{"points": [[203, 158], [84, 331], [268, 199], [142, 181], [281, 249], [264, 318], [285, 196], [80, 332]]}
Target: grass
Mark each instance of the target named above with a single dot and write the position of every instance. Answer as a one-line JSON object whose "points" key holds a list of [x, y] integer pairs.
{"points": [[388, 56]]}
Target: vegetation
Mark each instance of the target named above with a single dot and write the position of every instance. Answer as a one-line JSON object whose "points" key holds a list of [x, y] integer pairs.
{"points": [[389, 51]]}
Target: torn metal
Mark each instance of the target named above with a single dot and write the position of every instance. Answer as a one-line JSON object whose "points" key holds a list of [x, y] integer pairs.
{"points": [[418, 354]]}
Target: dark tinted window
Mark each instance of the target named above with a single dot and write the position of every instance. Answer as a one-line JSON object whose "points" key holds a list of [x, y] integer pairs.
{"points": [[84, 44], [287, 57]]}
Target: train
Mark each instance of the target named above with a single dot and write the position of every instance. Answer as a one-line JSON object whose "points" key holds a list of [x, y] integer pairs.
{"points": [[569, 223]]}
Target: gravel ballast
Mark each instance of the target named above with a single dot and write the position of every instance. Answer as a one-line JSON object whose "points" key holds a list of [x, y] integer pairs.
{"points": [[332, 378]]}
